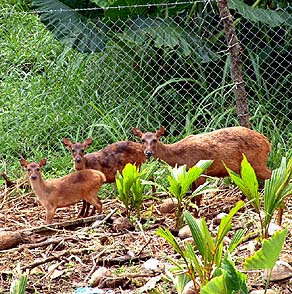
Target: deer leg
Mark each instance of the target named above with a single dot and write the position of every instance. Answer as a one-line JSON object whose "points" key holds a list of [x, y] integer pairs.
{"points": [[92, 212], [50, 214], [87, 209], [95, 201], [82, 212], [197, 199]]}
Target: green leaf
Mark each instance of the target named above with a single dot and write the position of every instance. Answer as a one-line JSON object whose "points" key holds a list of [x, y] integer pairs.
{"points": [[267, 256], [267, 16], [201, 236], [192, 257], [247, 182], [216, 285], [229, 281], [70, 26], [277, 188], [166, 33], [237, 239], [225, 224], [234, 279], [224, 228], [19, 286], [167, 235]]}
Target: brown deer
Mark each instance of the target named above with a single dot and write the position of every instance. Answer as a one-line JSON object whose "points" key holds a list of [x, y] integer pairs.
{"points": [[108, 160], [64, 191], [225, 145]]}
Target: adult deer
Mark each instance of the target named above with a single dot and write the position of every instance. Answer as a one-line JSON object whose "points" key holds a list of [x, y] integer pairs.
{"points": [[224, 145]]}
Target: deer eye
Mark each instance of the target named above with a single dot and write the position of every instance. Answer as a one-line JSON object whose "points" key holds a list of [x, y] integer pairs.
{"points": [[82, 150], [37, 169], [154, 141], [29, 169], [143, 141]]}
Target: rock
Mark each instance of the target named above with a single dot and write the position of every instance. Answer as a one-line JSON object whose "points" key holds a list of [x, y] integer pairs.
{"points": [[185, 232], [218, 218], [9, 239], [221, 215], [282, 270], [99, 275], [121, 224], [153, 265], [168, 205], [189, 288], [273, 228]]}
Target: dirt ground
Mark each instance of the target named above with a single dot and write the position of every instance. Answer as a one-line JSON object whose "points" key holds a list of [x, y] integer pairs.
{"points": [[63, 259]]}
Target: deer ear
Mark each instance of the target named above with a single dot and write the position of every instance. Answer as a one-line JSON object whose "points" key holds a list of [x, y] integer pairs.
{"points": [[88, 142], [43, 162], [23, 162], [67, 142], [160, 132], [137, 132]]}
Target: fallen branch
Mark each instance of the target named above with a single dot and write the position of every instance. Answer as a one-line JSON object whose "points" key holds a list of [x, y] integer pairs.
{"points": [[69, 223], [54, 257], [121, 260]]}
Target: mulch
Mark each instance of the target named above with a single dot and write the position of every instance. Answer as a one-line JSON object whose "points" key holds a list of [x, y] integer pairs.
{"points": [[62, 258]]}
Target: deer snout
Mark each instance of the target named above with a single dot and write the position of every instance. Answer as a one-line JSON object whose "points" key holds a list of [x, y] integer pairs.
{"points": [[78, 159], [33, 176], [148, 153]]}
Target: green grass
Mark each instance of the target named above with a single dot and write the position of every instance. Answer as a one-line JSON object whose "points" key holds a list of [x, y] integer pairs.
{"points": [[49, 91]]}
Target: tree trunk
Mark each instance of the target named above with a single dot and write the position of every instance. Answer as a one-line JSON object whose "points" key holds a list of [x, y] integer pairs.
{"points": [[235, 70]]}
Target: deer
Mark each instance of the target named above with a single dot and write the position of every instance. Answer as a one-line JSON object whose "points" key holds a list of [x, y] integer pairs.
{"points": [[225, 145], [108, 160], [63, 191]]}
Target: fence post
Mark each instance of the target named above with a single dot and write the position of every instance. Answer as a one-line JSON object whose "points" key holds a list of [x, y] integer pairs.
{"points": [[235, 58]]}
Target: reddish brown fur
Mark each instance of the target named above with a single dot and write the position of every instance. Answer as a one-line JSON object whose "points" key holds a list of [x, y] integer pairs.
{"points": [[64, 191], [225, 145], [108, 160]]}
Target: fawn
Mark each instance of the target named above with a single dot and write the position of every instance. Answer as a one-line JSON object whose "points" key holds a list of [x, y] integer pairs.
{"points": [[224, 145], [64, 191], [108, 160]]}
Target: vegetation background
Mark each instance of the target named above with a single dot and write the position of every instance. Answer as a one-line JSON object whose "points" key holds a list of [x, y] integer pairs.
{"points": [[99, 72]]}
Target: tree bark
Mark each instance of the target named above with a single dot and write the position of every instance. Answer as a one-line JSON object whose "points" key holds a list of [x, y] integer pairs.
{"points": [[235, 57]]}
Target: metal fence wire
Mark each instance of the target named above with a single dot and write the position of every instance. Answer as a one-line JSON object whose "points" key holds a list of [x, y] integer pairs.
{"points": [[101, 70]]}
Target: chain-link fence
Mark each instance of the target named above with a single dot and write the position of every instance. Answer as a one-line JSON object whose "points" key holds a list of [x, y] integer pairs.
{"points": [[101, 70]]}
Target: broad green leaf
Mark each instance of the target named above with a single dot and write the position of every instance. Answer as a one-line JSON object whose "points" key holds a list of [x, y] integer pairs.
{"points": [[229, 281], [267, 256], [216, 285], [235, 280], [247, 183], [166, 33], [180, 282], [70, 26], [249, 176], [267, 16]]}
